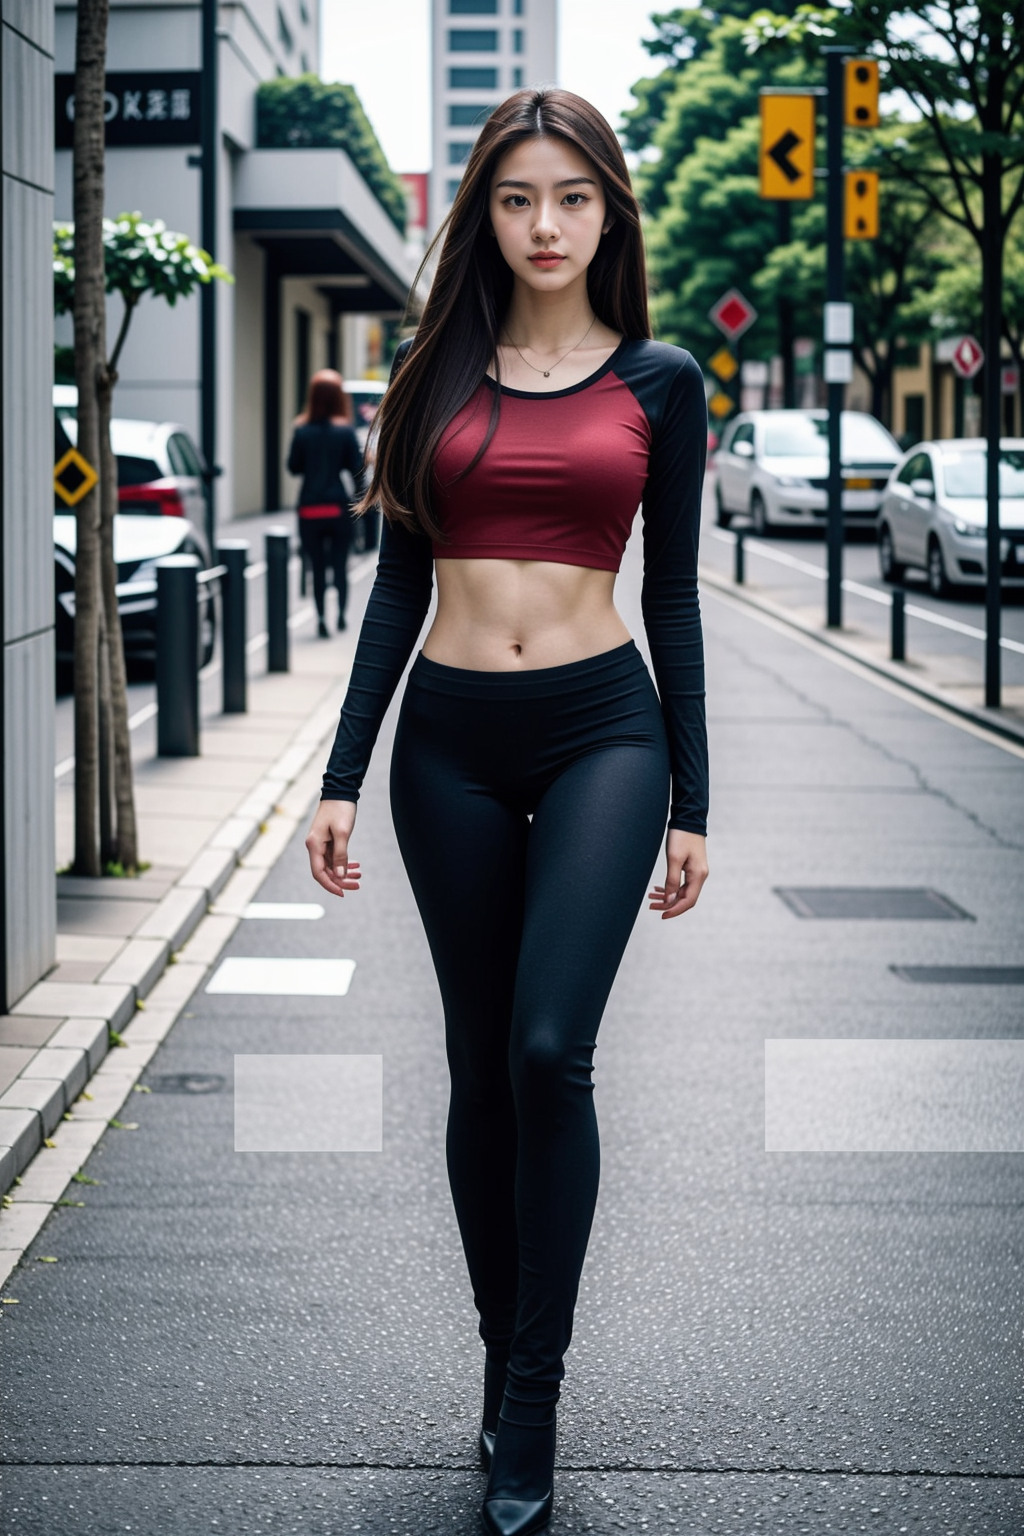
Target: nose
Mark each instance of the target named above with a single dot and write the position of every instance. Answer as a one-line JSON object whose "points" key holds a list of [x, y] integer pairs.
{"points": [[545, 225]]}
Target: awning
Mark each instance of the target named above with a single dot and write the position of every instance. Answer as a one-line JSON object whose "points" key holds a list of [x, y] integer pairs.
{"points": [[315, 216]]}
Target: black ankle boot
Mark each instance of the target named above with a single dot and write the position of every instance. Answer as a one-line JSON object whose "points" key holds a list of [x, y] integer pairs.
{"points": [[495, 1373], [520, 1489]]}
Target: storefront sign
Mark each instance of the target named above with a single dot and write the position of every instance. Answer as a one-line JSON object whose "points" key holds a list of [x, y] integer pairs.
{"points": [[141, 109]]}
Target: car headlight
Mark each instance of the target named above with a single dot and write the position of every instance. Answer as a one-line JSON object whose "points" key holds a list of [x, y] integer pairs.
{"points": [[970, 529], [793, 482]]}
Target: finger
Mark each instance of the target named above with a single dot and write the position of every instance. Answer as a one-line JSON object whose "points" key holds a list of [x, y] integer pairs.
{"points": [[686, 898]]}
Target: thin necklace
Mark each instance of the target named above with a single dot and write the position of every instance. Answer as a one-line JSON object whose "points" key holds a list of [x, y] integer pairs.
{"points": [[547, 371]]}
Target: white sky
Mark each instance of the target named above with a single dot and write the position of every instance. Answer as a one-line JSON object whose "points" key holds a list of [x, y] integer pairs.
{"points": [[382, 48]]}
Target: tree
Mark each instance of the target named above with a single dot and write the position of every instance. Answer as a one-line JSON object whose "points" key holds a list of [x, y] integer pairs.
{"points": [[139, 257]]}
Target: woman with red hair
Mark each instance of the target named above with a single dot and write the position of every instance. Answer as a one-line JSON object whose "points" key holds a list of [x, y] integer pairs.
{"points": [[325, 452]]}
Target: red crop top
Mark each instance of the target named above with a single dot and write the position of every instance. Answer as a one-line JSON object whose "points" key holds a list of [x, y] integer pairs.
{"points": [[560, 480]]}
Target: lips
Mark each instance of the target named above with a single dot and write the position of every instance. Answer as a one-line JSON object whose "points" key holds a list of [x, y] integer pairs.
{"points": [[547, 259]]}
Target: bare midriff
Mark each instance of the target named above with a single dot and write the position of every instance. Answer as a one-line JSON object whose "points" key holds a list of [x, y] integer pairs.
{"points": [[519, 615]]}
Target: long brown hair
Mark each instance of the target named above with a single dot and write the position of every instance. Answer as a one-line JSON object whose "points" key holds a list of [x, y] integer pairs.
{"points": [[327, 399], [457, 336]]}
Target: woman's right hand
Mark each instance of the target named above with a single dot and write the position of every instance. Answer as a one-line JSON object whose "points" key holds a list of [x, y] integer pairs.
{"points": [[327, 846]]}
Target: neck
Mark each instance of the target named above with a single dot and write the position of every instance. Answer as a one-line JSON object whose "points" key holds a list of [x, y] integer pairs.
{"points": [[548, 322]]}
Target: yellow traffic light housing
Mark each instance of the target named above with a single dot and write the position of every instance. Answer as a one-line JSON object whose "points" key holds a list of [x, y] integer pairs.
{"points": [[860, 205], [861, 93]]}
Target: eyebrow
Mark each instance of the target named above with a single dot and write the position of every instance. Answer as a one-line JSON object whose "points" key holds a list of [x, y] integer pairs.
{"points": [[570, 181]]}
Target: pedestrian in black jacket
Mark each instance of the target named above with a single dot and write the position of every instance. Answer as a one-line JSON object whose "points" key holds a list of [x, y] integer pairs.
{"points": [[325, 452]]}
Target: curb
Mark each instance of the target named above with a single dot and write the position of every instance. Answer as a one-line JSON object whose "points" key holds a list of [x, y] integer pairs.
{"points": [[983, 719], [56, 1110]]}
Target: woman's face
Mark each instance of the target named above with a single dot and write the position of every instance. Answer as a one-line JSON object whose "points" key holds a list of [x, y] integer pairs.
{"points": [[548, 212]]}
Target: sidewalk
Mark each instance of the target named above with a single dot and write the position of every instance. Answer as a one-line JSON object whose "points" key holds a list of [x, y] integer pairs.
{"points": [[782, 581], [131, 952]]}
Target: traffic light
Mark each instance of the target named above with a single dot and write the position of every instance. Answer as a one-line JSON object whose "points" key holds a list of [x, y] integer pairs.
{"points": [[861, 94], [860, 205]]}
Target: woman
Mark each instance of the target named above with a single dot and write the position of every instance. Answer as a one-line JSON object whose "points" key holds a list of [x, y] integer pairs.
{"points": [[324, 451], [531, 770]]}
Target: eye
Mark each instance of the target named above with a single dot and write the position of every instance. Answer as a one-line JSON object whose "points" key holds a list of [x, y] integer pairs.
{"points": [[515, 200], [575, 199]]}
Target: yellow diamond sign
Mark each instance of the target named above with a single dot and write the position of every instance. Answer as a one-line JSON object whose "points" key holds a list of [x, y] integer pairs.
{"points": [[73, 477], [724, 364], [720, 404]]}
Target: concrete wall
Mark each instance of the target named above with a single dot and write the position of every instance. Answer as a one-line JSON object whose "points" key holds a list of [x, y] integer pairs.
{"points": [[26, 420]]}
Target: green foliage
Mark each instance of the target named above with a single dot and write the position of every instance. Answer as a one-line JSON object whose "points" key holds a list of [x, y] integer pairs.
{"points": [[310, 113], [142, 256]]}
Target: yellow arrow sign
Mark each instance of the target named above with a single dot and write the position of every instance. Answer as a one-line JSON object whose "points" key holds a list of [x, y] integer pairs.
{"points": [[73, 477], [723, 364], [720, 404], [787, 146]]}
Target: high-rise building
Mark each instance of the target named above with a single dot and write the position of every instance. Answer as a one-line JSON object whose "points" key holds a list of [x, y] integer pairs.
{"points": [[483, 50]]}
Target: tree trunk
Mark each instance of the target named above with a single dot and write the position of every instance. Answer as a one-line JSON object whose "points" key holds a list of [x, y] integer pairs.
{"points": [[125, 843], [90, 357], [991, 120], [106, 753]]}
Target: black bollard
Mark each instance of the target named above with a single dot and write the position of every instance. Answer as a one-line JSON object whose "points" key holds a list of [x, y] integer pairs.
{"points": [[278, 544], [739, 571], [899, 624], [234, 553], [177, 656]]}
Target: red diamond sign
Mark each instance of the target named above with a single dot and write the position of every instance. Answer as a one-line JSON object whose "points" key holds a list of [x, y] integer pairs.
{"points": [[733, 314], [967, 357]]}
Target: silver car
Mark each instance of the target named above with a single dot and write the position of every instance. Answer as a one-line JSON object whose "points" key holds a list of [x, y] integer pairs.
{"points": [[160, 471], [934, 513], [772, 467]]}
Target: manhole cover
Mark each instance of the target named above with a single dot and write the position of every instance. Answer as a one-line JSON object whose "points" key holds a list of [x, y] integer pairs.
{"points": [[963, 975], [892, 903], [186, 1082]]}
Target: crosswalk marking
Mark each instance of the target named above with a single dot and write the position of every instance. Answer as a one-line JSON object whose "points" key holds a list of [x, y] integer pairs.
{"points": [[285, 911], [268, 977]]}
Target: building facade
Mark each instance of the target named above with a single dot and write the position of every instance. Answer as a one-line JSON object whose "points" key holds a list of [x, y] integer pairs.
{"points": [[481, 51], [314, 256]]}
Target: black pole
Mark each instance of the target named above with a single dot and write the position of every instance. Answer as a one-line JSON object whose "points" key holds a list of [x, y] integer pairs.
{"points": [[278, 545], [739, 570], [177, 656], [991, 287], [898, 635], [234, 553], [271, 383], [835, 59], [785, 314], [208, 291]]}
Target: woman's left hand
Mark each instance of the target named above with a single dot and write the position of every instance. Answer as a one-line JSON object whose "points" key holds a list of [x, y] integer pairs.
{"points": [[686, 873]]}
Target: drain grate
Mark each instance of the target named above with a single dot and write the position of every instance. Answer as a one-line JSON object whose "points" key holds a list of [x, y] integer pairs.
{"points": [[963, 975], [186, 1082], [886, 902]]}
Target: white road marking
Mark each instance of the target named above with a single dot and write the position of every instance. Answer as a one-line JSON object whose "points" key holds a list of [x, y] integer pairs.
{"points": [[134, 721], [294, 1103], [261, 976], [285, 911], [872, 594], [905, 1095]]}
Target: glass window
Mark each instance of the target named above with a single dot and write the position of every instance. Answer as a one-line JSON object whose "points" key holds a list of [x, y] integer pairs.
{"points": [[473, 79], [517, 40], [918, 467], [517, 78], [517, 7], [135, 471], [793, 437], [187, 452], [467, 116], [453, 189], [472, 7], [463, 40], [459, 151], [965, 471], [284, 34], [744, 433], [863, 438]]}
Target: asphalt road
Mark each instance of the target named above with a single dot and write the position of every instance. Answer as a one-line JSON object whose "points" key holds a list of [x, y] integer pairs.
{"points": [[765, 1342]]}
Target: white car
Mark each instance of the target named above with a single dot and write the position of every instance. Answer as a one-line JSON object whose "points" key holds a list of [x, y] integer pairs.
{"points": [[934, 513], [160, 471], [772, 466], [365, 395]]}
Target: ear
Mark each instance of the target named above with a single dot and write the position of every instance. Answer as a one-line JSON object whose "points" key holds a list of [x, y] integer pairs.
{"points": [[606, 226]]}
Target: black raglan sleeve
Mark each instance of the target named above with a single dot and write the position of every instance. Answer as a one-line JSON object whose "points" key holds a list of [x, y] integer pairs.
{"points": [[671, 608], [394, 616]]}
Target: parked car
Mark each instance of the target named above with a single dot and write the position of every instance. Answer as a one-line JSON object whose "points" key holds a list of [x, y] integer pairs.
{"points": [[160, 470], [934, 514], [772, 467], [365, 395], [140, 540]]}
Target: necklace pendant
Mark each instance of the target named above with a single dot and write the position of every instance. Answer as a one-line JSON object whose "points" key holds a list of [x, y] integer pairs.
{"points": [[547, 373]]}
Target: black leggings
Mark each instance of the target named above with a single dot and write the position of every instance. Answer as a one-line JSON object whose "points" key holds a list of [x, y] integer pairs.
{"points": [[326, 542], [527, 922]]}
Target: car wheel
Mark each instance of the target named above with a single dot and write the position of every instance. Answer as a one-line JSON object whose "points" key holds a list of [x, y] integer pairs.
{"points": [[759, 515], [722, 517], [892, 570], [938, 581]]}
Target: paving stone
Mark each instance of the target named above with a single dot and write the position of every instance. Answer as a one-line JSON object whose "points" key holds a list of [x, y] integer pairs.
{"points": [[19, 1030], [149, 886], [176, 917], [89, 1035], [20, 1223], [45, 1178], [46, 1096], [139, 965], [71, 1066], [176, 985], [238, 892], [116, 1004], [150, 1024], [238, 833], [115, 918], [20, 1130], [209, 939], [268, 848], [12, 1059], [9, 1258], [211, 871], [82, 946], [75, 971]]}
